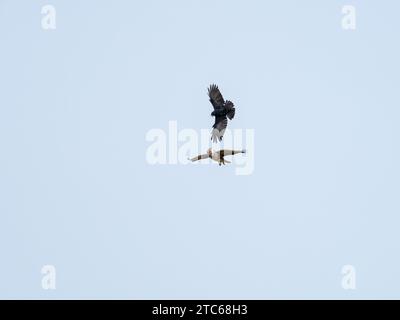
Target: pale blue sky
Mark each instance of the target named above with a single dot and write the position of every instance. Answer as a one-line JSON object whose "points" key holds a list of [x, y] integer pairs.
{"points": [[76, 191]]}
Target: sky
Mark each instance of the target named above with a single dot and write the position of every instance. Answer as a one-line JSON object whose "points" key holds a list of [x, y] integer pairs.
{"points": [[78, 193]]}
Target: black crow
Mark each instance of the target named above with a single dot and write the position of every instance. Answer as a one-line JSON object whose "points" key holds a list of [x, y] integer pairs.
{"points": [[223, 110]]}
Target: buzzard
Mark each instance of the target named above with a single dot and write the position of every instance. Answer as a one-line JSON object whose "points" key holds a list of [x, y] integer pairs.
{"points": [[217, 156], [223, 110]]}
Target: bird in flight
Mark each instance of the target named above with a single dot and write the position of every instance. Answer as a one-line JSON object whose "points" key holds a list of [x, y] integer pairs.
{"points": [[217, 156], [223, 110]]}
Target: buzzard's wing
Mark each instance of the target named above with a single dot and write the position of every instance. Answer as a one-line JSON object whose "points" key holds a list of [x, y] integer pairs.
{"points": [[199, 157], [226, 152], [219, 128], [216, 98]]}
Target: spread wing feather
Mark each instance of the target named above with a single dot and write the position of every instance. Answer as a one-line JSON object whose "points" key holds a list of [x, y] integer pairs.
{"points": [[226, 152], [216, 98], [199, 157], [230, 108]]}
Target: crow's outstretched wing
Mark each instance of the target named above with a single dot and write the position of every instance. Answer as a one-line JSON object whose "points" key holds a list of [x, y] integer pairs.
{"points": [[226, 152], [216, 98], [199, 157], [230, 109], [219, 128]]}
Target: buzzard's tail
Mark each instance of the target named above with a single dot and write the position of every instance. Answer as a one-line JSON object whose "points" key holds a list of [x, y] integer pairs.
{"points": [[230, 108]]}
